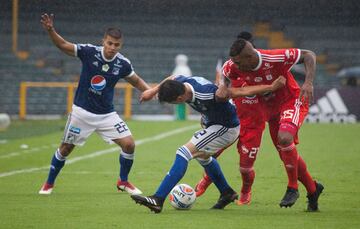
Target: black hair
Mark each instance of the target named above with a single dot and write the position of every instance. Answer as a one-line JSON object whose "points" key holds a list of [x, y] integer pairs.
{"points": [[170, 90], [246, 36], [113, 32], [237, 47]]}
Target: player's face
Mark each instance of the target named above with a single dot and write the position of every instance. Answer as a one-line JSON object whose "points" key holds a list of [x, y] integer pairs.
{"points": [[111, 46], [247, 59]]}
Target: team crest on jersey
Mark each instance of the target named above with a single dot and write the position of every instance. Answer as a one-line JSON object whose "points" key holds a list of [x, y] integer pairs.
{"points": [[105, 67], [98, 83], [269, 77]]}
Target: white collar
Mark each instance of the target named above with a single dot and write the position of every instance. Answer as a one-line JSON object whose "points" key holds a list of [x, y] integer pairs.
{"points": [[260, 61], [193, 92], [103, 56]]}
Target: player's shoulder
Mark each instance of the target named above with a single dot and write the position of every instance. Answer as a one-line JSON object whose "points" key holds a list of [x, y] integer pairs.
{"points": [[121, 58], [89, 47]]}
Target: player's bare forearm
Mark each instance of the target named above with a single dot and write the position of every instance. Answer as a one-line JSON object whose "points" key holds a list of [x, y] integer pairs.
{"points": [[307, 90], [47, 22], [137, 82], [258, 89], [308, 58], [249, 90]]}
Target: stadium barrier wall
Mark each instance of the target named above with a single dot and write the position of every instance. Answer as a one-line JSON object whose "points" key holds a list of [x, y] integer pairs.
{"points": [[24, 86]]}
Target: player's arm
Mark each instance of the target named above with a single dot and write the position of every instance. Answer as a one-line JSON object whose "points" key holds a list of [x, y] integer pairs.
{"points": [[223, 93], [47, 22], [258, 89], [308, 58], [151, 92], [136, 81]]}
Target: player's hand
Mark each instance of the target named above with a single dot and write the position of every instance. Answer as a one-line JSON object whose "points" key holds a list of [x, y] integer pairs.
{"points": [[278, 83], [147, 95], [307, 92], [222, 93], [47, 21]]}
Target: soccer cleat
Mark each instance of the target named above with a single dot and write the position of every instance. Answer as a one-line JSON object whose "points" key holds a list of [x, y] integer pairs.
{"points": [[128, 187], [202, 185], [46, 189], [245, 199], [154, 203], [313, 198], [226, 198], [290, 197]]}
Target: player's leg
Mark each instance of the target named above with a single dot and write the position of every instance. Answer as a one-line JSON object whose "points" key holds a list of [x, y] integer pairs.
{"points": [[75, 133], [209, 143], [206, 181], [313, 188], [289, 157], [248, 146], [113, 129], [155, 202]]}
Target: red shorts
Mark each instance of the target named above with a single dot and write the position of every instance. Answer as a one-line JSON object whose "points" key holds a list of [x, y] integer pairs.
{"points": [[292, 111]]}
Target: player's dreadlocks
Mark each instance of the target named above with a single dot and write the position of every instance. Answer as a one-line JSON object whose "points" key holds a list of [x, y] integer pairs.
{"points": [[237, 47]]}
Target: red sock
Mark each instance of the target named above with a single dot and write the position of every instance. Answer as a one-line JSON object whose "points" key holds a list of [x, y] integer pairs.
{"points": [[248, 177], [289, 156], [305, 177]]}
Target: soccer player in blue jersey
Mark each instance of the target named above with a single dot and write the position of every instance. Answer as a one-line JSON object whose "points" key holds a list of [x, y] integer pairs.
{"points": [[221, 128], [93, 110]]}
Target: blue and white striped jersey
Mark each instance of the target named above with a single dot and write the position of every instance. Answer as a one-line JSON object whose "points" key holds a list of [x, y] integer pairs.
{"points": [[98, 78], [203, 101]]}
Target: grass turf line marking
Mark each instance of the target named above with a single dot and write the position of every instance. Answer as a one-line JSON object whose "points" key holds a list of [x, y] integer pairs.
{"points": [[103, 152]]}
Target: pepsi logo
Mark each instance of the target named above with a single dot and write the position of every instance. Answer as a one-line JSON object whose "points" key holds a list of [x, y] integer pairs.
{"points": [[98, 82]]}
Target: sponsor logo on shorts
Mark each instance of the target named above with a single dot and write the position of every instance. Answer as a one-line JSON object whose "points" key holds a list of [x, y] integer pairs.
{"points": [[74, 130]]}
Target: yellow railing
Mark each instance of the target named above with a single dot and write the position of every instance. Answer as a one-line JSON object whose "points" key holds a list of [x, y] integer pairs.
{"points": [[70, 95]]}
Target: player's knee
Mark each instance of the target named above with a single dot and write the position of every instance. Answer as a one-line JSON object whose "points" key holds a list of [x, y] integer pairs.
{"points": [[65, 149], [246, 170], [128, 147], [285, 139], [204, 161], [184, 152]]}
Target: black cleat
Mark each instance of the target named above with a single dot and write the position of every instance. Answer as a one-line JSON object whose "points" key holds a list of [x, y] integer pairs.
{"points": [[313, 198], [290, 197], [226, 198], [154, 203]]}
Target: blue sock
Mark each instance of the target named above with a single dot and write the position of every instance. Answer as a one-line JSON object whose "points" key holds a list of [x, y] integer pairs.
{"points": [[57, 162], [176, 172], [213, 169], [126, 160]]}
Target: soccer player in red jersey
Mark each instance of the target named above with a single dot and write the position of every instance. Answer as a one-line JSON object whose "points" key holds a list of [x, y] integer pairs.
{"points": [[284, 109], [252, 122]]}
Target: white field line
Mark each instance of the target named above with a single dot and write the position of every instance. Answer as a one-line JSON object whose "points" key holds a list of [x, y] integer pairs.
{"points": [[103, 152], [28, 151]]}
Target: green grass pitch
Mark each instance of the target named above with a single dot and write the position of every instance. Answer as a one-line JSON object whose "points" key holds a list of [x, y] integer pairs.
{"points": [[85, 195]]}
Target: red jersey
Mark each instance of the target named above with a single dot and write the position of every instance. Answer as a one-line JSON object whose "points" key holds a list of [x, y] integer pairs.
{"points": [[272, 64]]}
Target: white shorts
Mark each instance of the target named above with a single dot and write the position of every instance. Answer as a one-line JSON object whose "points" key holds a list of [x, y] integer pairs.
{"points": [[214, 138], [81, 124]]}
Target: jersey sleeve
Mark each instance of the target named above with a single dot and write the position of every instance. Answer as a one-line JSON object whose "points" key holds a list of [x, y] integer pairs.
{"points": [[291, 57], [128, 68], [229, 71], [84, 50]]}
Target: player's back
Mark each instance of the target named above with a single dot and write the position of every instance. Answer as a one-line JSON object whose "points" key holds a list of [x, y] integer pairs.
{"points": [[204, 101]]}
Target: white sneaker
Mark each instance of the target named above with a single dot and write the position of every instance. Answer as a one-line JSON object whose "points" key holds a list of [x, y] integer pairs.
{"points": [[46, 189], [128, 187]]}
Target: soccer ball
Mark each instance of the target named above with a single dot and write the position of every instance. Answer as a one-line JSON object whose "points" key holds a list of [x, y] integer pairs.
{"points": [[182, 197]]}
